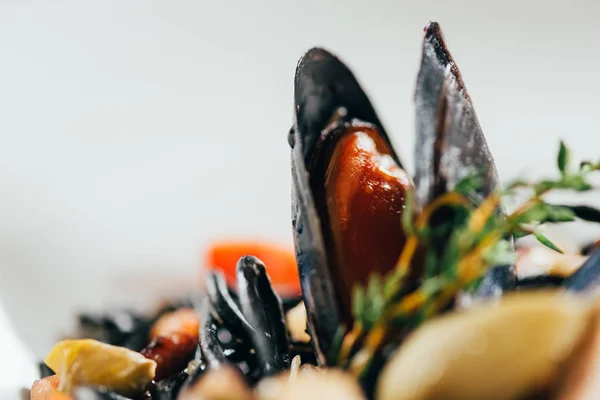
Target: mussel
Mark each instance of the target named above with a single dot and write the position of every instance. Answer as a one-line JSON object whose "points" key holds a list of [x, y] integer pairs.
{"points": [[349, 186]]}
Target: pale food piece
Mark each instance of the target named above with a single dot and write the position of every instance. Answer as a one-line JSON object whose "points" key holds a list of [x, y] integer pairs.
{"points": [[495, 352]]}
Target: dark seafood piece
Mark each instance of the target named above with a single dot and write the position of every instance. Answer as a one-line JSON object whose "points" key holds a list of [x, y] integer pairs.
{"points": [[225, 306], [586, 213], [45, 370], [210, 346], [168, 389], [496, 281], [93, 393], [236, 334], [220, 349], [122, 328], [347, 194], [241, 353], [305, 351], [587, 277], [171, 353], [349, 189], [263, 310], [540, 281], [587, 249], [198, 370], [324, 87], [139, 339], [290, 302], [450, 143], [174, 305], [246, 360]]}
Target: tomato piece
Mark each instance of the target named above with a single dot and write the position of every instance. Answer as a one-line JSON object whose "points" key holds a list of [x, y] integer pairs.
{"points": [[47, 389], [184, 320], [279, 261]]}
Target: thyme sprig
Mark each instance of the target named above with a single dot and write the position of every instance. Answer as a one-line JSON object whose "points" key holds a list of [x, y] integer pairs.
{"points": [[453, 241]]}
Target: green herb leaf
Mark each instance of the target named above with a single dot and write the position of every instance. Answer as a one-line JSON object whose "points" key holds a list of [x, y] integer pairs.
{"points": [[517, 183], [579, 184], [547, 242], [407, 213], [433, 285], [585, 166], [336, 345], [391, 285], [358, 303], [541, 213], [588, 166], [501, 254], [374, 288], [522, 231], [374, 301], [469, 184], [556, 213], [563, 158], [535, 214]]}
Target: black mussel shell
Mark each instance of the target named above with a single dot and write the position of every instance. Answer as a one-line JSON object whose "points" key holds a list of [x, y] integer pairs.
{"points": [[45, 370], [168, 389], [541, 281], [450, 143], [327, 99], [120, 328], [590, 247], [290, 302], [262, 308], [325, 92]]}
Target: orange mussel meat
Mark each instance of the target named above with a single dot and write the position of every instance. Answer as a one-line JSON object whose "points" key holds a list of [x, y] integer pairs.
{"points": [[364, 191]]}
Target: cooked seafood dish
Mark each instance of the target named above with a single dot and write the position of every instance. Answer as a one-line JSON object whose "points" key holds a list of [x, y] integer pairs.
{"points": [[411, 288]]}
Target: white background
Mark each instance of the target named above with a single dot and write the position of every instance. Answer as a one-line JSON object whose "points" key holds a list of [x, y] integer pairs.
{"points": [[132, 132]]}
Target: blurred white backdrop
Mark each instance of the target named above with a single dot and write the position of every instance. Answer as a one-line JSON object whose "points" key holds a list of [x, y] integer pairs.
{"points": [[133, 132]]}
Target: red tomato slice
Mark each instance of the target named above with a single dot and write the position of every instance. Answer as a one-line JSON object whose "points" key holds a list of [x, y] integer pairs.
{"points": [[47, 389], [280, 262]]}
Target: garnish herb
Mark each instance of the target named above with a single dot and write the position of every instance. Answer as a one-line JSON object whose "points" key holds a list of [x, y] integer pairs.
{"points": [[453, 242]]}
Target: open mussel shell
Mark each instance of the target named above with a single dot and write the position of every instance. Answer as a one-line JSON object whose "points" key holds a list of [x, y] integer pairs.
{"points": [[329, 103], [328, 100]]}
